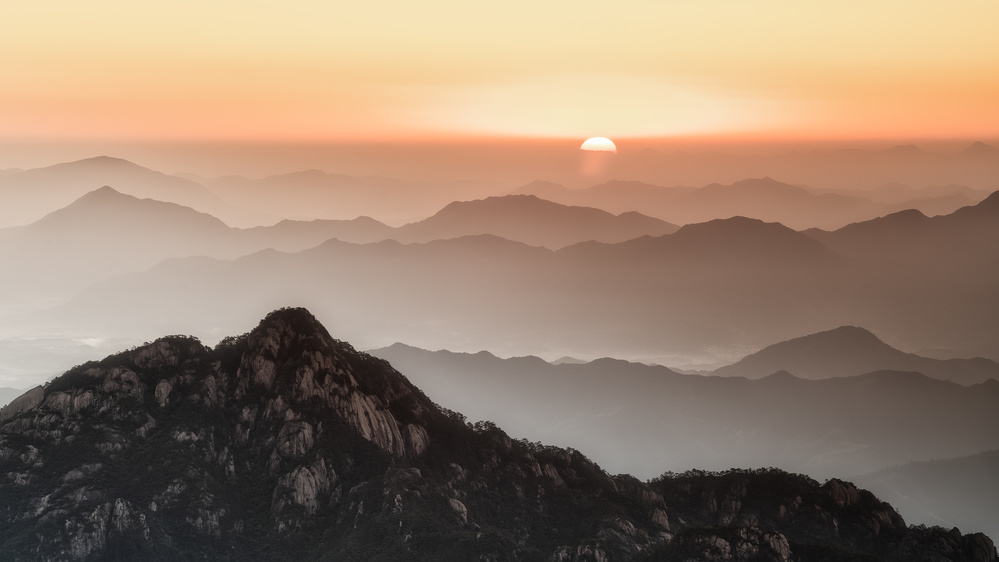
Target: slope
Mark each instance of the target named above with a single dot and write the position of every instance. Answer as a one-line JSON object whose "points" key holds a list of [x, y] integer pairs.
{"points": [[643, 419], [285, 444], [29, 195], [534, 221], [849, 351]]}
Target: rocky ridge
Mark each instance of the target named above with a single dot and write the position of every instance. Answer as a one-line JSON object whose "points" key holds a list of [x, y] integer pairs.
{"points": [[286, 444]]}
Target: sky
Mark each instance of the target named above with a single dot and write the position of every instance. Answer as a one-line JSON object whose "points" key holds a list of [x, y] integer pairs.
{"points": [[382, 70]]}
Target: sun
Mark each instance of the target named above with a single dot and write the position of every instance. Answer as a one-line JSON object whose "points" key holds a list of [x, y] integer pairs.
{"points": [[600, 144]]}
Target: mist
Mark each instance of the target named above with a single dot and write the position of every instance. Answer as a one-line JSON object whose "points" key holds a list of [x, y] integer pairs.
{"points": [[803, 309]]}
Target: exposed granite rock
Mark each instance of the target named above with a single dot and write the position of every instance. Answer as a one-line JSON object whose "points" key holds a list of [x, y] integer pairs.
{"points": [[286, 444], [27, 401]]}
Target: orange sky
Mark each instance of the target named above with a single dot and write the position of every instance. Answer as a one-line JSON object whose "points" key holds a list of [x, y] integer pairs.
{"points": [[389, 70]]}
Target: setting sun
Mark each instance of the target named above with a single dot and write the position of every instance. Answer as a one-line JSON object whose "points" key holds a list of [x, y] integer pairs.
{"points": [[600, 144]]}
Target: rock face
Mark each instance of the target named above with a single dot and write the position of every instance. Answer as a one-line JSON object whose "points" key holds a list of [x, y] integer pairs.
{"points": [[285, 444]]}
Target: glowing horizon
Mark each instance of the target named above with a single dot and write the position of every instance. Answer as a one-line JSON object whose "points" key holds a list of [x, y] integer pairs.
{"points": [[447, 70]]}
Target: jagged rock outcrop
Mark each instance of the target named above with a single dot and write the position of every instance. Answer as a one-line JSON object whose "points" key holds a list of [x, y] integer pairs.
{"points": [[285, 444], [27, 401]]}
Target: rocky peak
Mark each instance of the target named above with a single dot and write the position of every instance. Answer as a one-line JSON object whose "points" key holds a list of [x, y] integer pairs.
{"points": [[286, 444]]}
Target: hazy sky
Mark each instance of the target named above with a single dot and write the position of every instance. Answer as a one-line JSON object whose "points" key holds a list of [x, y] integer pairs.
{"points": [[391, 70]]}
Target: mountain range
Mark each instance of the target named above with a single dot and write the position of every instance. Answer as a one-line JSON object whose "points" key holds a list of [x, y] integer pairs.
{"points": [[28, 195], [107, 233], [849, 351], [286, 444], [531, 220], [642, 419], [822, 169], [961, 239], [761, 198], [730, 286], [306, 195]]}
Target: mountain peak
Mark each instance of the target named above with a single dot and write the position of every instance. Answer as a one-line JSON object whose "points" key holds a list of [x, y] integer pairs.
{"points": [[103, 161], [270, 447], [850, 333], [288, 328], [980, 149], [842, 351], [103, 192], [851, 351], [298, 319]]}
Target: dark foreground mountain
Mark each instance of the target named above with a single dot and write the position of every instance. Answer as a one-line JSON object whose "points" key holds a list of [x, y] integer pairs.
{"points": [[849, 351], [285, 444]]}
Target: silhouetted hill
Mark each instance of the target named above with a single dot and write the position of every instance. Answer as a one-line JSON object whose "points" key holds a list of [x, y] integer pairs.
{"points": [[716, 244], [960, 492], [27, 196], [102, 234], [979, 149], [285, 444], [108, 212], [290, 235], [955, 239], [534, 221], [761, 198], [745, 239], [106, 233], [849, 351], [641, 419]]}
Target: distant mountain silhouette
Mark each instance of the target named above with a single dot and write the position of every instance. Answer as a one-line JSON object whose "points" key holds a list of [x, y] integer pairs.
{"points": [[959, 492], [719, 242], [980, 150], [534, 221], [962, 238], [850, 351], [109, 212], [102, 234], [761, 198], [106, 233], [28, 195], [547, 190], [682, 298], [633, 417], [291, 235], [698, 298]]}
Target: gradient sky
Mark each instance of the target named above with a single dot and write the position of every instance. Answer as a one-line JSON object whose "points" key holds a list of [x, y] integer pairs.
{"points": [[386, 70]]}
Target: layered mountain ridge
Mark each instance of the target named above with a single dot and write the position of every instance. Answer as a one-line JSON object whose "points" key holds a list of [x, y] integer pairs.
{"points": [[849, 351], [287, 444], [643, 419]]}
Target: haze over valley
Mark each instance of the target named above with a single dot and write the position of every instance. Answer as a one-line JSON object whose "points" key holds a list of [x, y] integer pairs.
{"points": [[775, 321]]}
